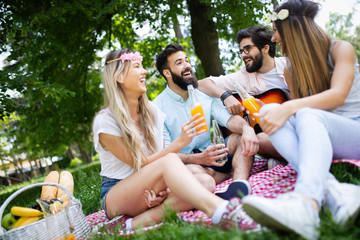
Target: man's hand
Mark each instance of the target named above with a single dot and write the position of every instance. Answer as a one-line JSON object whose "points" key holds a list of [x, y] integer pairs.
{"points": [[152, 200], [233, 105], [249, 142], [212, 153]]}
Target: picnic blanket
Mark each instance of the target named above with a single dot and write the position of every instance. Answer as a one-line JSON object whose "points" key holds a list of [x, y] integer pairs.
{"points": [[267, 183]]}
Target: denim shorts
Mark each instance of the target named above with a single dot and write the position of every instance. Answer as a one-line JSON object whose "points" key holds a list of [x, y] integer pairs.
{"points": [[106, 185], [227, 167]]}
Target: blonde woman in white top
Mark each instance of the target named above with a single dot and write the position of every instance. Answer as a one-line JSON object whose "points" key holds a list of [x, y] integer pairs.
{"points": [[139, 176]]}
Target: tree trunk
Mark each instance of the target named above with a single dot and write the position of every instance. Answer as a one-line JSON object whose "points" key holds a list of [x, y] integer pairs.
{"points": [[70, 152], [85, 157], [205, 38], [32, 168], [4, 167], [40, 170], [47, 167], [50, 167], [177, 29], [18, 170]]}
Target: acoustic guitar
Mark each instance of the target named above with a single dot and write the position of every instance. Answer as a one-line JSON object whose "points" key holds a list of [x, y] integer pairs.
{"points": [[274, 95]]}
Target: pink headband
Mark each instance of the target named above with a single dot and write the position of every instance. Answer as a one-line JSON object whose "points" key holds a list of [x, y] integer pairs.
{"points": [[132, 56]]}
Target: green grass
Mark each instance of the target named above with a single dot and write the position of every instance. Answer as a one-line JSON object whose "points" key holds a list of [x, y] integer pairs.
{"points": [[87, 190]]}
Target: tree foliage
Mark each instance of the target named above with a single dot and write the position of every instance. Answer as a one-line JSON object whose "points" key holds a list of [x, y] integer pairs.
{"points": [[342, 27], [52, 79]]}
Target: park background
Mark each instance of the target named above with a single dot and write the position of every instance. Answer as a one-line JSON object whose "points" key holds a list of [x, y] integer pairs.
{"points": [[52, 53]]}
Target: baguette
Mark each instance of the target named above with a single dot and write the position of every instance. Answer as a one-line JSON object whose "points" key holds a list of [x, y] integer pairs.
{"points": [[67, 181], [50, 192]]}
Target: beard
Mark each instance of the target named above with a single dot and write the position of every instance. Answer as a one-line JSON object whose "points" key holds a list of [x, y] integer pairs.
{"points": [[184, 82], [257, 63]]}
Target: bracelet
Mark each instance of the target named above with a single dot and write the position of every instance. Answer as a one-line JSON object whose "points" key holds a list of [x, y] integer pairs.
{"points": [[224, 96]]}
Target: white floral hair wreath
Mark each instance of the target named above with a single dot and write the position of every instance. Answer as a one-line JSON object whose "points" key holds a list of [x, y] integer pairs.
{"points": [[283, 14]]}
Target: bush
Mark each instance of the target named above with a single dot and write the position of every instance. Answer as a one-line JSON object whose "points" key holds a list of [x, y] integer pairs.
{"points": [[75, 162], [64, 162], [95, 158]]}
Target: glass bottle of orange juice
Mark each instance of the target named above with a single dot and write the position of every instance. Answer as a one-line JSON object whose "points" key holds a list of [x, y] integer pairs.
{"points": [[248, 101], [196, 107]]}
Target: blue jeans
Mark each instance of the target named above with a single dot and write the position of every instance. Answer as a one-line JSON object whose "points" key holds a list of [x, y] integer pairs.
{"points": [[106, 185], [310, 140]]}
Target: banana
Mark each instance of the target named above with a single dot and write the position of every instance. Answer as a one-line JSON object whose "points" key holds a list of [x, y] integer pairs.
{"points": [[29, 220], [25, 212], [19, 222]]}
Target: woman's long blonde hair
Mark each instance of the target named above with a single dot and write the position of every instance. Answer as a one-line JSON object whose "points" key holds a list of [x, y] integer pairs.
{"points": [[307, 46], [114, 97]]}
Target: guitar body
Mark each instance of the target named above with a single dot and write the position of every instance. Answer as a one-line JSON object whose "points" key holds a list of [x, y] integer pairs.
{"points": [[274, 95]]}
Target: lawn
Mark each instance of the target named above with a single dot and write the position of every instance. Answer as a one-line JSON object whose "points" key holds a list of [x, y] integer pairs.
{"points": [[87, 190]]}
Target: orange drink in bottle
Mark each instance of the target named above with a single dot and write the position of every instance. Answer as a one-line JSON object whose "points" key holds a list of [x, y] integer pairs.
{"points": [[195, 106], [198, 109], [252, 106], [248, 101]]}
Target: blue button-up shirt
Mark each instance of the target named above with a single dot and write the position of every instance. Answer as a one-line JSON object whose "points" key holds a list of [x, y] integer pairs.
{"points": [[178, 112]]}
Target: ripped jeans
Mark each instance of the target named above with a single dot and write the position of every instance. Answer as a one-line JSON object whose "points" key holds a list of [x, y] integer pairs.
{"points": [[310, 140]]}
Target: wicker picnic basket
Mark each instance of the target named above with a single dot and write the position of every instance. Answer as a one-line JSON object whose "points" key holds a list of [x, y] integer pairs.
{"points": [[37, 230]]}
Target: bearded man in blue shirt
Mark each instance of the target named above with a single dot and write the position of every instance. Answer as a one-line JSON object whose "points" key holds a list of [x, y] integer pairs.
{"points": [[201, 155]]}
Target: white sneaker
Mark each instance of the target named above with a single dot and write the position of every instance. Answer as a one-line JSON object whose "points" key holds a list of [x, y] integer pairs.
{"points": [[235, 217], [289, 212], [343, 201]]}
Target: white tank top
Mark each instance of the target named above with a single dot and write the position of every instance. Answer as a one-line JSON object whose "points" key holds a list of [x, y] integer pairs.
{"points": [[351, 107]]}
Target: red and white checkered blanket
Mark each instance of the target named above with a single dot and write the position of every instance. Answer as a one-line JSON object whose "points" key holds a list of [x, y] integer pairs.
{"points": [[266, 183]]}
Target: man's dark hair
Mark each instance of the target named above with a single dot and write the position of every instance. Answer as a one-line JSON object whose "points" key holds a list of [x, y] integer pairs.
{"points": [[260, 36], [161, 59]]}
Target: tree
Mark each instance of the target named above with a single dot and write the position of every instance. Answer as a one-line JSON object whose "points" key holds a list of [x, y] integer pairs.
{"points": [[342, 27], [56, 73], [59, 90]]}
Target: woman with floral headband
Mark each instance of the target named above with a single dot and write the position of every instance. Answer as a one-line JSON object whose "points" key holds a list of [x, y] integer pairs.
{"points": [[321, 122], [136, 171]]}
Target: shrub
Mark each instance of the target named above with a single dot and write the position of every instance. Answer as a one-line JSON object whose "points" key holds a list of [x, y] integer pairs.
{"points": [[75, 162]]}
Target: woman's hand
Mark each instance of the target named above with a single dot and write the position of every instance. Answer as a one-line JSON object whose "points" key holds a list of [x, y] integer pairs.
{"points": [[188, 132], [261, 103], [188, 129], [152, 200], [274, 118]]}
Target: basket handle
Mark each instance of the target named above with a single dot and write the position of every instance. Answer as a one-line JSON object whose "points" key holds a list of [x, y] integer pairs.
{"points": [[21, 190]]}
